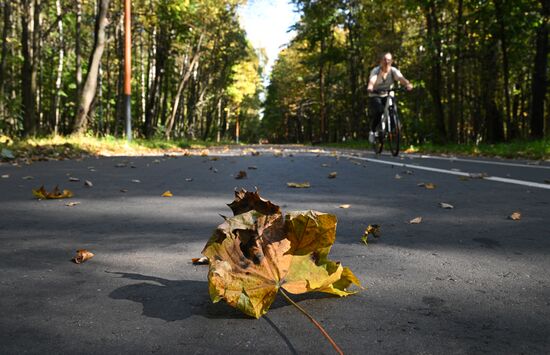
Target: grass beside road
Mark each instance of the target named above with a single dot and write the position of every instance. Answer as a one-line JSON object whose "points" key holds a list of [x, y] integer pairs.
{"points": [[71, 147], [537, 149]]}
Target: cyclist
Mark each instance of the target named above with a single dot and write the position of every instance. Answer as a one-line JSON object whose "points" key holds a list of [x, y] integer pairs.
{"points": [[381, 79]]}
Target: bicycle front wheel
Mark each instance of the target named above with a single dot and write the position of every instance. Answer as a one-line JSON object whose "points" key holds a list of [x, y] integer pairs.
{"points": [[378, 144], [394, 135]]}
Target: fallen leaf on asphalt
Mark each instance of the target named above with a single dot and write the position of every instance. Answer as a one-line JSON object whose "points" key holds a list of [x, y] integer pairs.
{"points": [[478, 175], [373, 229], [416, 220], [5, 176], [408, 172], [427, 185], [135, 181], [72, 204], [28, 177], [252, 167], [56, 193], [241, 175], [203, 260], [446, 206], [88, 183], [74, 179], [344, 206], [214, 170], [123, 190], [332, 175], [82, 255], [397, 176], [298, 185], [516, 216], [188, 179], [252, 255], [167, 194]]}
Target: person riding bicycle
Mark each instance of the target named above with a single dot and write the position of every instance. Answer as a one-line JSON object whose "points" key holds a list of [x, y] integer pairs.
{"points": [[382, 79]]}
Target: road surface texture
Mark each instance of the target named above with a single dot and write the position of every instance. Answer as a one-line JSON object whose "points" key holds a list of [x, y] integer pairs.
{"points": [[466, 280]]}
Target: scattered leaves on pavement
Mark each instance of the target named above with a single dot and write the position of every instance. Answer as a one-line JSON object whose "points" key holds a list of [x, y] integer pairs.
{"points": [[203, 260], [332, 175], [255, 253], [416, 220], [56, 193], [298, 185], [515, 216], [82, 255], [446, 206], [241, 175], [372, 229], [167, 194]]}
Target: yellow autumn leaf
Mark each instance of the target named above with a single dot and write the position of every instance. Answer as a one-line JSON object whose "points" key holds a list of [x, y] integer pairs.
{"points": [[515, 216], [298, 185], [167, 194]]}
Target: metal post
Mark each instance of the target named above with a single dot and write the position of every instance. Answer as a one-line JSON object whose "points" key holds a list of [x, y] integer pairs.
{"points": [[128, 68]]}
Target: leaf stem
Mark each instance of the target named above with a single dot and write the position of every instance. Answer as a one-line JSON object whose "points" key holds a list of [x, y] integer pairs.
{"points": [[319, 326]]}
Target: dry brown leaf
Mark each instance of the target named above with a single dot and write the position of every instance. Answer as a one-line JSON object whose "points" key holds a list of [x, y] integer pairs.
{"points": [[299, 185], [344, 206], [82, 255], [88, 183], [241, 175], [123, 190], [427, 185], [515, 216], [167, 194], [446, 206], [332, 175], [416, 220], [56, 193], [203, 260], [72, 204]]}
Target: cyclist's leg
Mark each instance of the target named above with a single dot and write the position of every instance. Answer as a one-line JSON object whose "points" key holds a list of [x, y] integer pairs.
{"points": [[376, 109]]}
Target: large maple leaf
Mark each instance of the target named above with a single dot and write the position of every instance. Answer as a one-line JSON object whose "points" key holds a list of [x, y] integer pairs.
{"points": [[258, 251]]}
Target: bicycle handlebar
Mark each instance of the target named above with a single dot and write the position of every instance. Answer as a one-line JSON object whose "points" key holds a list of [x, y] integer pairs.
{"points": [[399, 89]]}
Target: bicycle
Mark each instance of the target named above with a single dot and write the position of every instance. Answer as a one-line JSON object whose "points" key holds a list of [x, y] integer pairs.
{"points": [[389, 127]]}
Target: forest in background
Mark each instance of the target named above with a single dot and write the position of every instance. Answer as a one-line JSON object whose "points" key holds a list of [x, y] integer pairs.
{"points": [[480, 70], [194, 73]]}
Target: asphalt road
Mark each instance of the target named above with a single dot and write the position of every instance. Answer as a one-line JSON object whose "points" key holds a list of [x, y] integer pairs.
{"points": [[466, 280]]}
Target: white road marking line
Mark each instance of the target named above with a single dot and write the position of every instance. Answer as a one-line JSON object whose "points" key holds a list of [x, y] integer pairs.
{"points": [[451, 172], [478, 161]]}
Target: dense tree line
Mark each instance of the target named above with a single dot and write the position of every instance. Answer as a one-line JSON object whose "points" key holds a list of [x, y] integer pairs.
{"points": [[480, 69], [195, 75]]}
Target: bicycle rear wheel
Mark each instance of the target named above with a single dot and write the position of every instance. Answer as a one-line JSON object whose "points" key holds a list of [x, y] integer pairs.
{"points": [[394, 135]]}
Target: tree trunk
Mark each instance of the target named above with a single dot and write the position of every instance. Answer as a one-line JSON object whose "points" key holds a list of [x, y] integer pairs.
{"points": [[4, 54], [57, 94], [540, 82], [90, 86], [77, 49], [28, 73], [435, 86], [499, 14]]}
